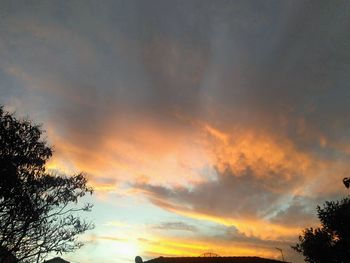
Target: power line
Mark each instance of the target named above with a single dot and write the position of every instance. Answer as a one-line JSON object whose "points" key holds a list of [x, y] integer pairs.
{"points": [[280, 250]]}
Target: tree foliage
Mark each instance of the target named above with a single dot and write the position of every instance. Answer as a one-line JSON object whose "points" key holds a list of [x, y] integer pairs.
{"points": [[37, 208], [329, 243]]}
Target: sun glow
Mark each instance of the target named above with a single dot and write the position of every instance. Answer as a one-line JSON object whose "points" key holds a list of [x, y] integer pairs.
{"points": [[126, 248]]}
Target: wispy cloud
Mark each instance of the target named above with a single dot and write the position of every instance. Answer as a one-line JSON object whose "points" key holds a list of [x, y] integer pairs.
{"points": [[181, 226]]}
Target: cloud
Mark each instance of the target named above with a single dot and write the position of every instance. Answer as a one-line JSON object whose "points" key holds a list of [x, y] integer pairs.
{"points": [[230, 195], [111, 238], [300, 212], [225, 64], [180, 226], [245, 200]]}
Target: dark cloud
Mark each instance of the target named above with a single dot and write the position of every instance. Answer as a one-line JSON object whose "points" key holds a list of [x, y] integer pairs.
{"points": [[276, 63], [232, 234], [179, 226], [300, 211], [242, 195]]}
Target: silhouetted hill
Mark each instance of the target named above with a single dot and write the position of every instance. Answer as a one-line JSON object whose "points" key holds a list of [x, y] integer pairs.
{"points": [[212, 260]]}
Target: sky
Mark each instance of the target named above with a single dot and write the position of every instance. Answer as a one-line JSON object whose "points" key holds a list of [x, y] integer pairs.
{"points": [[203, 126]]}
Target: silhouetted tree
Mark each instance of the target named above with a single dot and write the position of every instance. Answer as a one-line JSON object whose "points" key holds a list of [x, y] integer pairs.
{"points": [[37, 208], [331, 241]]}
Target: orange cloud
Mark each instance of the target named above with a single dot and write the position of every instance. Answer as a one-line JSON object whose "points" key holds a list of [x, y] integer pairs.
{"points": [[137, 150], [259, 150]]}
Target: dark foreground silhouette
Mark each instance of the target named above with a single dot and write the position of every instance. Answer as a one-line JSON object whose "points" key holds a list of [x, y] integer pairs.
{"points": [[39, 209], [211, 260], [56, 260]]}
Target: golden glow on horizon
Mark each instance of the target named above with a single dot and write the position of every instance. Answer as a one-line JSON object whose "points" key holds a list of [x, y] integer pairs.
{"points": [[195, 247]]}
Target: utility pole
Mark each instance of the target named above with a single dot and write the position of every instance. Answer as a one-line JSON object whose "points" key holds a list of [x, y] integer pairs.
{"points": [[280, 250]]}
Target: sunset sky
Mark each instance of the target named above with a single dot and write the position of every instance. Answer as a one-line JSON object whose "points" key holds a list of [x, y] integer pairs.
{"points": [[204, 126]]}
